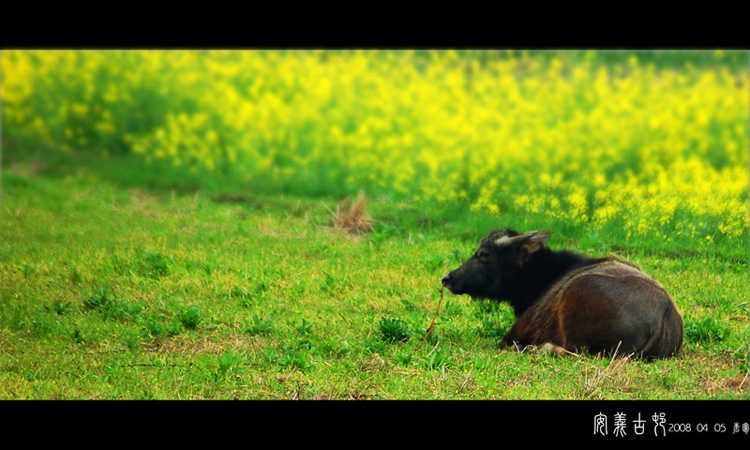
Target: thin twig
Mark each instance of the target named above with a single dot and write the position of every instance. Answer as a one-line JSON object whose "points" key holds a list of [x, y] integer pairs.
{"points": [[432, 323], [570, 353], [466, 380], [614, 355], [744, 379], [433, 349]]}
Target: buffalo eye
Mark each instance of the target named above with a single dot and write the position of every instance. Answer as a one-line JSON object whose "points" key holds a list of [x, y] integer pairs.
{"points": [[483, 254]]}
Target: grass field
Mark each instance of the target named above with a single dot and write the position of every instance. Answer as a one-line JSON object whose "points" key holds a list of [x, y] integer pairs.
{"points": [[114, 287], [165, 218]]}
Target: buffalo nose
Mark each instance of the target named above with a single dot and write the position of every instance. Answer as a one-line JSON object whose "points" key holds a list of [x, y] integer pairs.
{"points": [[446, 280]]}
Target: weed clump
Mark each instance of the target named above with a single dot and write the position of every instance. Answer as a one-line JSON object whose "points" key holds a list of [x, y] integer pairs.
{"points": [[304, 328], [59, 307], [98, 301], [259, 326], [191, 317], [707, 329], [111, 307], [437, 359], [394, 330], [158, 328], [226, 362], [154, 265], [295, 354]]}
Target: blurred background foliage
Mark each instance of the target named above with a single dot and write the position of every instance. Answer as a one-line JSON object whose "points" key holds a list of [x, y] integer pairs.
{"points": [[650, 145]]}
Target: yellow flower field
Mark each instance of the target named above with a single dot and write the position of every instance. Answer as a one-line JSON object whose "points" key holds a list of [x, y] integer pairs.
{"points": [[658, 151]]}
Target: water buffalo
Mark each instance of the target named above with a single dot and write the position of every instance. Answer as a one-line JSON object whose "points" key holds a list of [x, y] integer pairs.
{"points": [[568, 301]]}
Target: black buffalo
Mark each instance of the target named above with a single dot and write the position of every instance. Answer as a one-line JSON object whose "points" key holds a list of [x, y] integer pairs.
{"points": [[570, 301]]}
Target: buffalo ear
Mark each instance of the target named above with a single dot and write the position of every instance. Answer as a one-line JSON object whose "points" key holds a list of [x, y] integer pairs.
{"points": [[534, 241]]}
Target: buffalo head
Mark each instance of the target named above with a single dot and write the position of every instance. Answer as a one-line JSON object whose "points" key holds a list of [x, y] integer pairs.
{"points": [[496, 266]]}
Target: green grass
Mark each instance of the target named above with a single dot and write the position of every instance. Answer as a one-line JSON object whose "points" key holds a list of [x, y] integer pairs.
{"points": [[111, 290]]}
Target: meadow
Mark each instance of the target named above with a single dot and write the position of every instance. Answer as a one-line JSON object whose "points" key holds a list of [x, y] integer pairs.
{"points": [[166, 218]]}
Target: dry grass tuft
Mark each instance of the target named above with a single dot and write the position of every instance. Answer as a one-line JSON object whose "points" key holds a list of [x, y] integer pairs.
{"points": [[614, 373], [714, 384], [352, 217]]}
